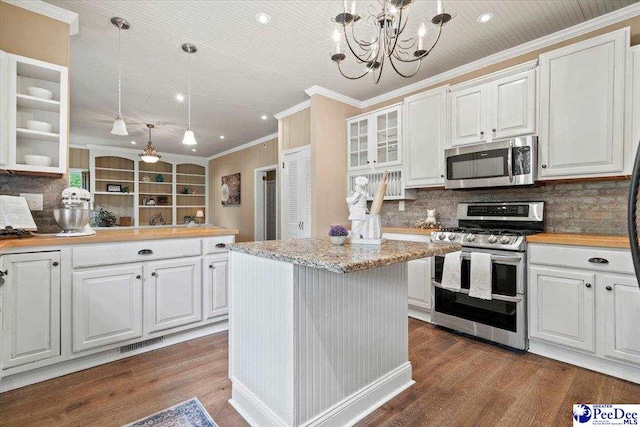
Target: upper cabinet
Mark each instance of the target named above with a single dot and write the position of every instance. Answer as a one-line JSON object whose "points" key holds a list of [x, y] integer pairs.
{"points": [[633, 107], [498, 106], [582, 108], [374, 140], [4, 109], [425, 136]]}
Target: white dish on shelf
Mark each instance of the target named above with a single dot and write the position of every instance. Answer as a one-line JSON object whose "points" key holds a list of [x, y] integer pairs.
{"points": [[39, 126], [39, 92], [33, 160]]}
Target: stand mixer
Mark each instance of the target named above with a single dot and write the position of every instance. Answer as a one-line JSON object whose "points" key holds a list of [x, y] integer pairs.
{"points": [[73, 218]]}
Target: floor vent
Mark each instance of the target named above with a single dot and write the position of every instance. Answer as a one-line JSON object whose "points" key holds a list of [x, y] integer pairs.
{"points": [[147, 343]]}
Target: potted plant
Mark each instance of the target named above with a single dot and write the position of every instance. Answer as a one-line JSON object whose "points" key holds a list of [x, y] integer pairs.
{"points": [[338, 234], [103, 218]]}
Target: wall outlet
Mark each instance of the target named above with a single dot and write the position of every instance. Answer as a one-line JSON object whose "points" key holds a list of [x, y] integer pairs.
{"points": [[35, 201], [401, 206]]}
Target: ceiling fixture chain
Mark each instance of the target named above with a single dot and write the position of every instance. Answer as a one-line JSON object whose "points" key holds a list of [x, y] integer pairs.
{"points": [[119, 126], [388, 26]]}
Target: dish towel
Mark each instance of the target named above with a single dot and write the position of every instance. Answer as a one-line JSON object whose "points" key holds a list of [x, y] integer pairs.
{"points": [[451, 271], [480, 286]]}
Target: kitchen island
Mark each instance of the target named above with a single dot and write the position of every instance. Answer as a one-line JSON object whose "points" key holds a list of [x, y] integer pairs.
{"points": [[318, 333]]}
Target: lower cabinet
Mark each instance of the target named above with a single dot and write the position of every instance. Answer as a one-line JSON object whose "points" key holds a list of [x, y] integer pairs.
{"points": [[562, 307], [419, 277], [215, 286], [106, 306], [620, 298], [31, 308], [172, 294]]}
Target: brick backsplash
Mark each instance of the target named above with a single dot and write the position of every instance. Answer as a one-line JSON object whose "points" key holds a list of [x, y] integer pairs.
{"points": [[593, 207], [51, 190]]}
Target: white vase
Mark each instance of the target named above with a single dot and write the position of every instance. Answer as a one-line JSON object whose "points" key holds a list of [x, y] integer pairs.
{"points": [[372, 228], [337, 240]]}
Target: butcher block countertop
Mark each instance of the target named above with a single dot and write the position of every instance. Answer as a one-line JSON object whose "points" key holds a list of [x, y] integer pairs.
{"points": [[321, 254], [597, 240], [118, 235]]}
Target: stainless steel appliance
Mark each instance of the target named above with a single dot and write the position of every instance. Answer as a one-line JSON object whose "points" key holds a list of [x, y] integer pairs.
{"points": [[73, 218], [495, 164], [499, 229]]}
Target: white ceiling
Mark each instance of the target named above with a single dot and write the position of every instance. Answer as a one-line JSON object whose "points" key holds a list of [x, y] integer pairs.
{"points": [[244, 69]]}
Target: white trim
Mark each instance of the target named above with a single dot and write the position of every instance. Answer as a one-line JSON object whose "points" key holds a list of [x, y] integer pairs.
{"points": [[327, 93], [80, 146], [296, 149], [52, 11], [166, 157], [511, 71], [259, 200], [296, 108], [243, 146]]}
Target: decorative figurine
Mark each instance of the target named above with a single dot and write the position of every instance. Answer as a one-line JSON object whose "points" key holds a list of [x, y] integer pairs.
{"points": [[429, 222], [358, 206]]}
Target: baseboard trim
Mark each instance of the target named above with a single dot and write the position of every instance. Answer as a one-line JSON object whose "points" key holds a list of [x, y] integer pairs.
{"points": [[420, 314], [345, 413], [594, 363]]}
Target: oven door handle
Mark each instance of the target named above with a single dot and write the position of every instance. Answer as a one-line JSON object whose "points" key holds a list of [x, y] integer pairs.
{"points": [[510, 161], [497, 258], [496, 297]]}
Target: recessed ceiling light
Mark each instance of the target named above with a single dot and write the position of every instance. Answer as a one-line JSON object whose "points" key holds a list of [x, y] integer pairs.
{"points": [[133, 142], [263, 18], [264, 117], [221, 136], [485, 17], [179, 97], [193, 149]]}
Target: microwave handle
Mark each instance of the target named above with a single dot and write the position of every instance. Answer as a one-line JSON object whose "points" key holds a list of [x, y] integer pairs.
{"points": [[510, 161]]}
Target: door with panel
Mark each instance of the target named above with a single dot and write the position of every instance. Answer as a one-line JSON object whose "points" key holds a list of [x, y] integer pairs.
{"points": [[425, 137], [172, 293], [513, 105], [419, 278], [215, 292], [469, 115], [31, 308], [562, 306], [619, 306], [106, 306], [582, 108], [297, 194], [358, 136], [386, 149]]}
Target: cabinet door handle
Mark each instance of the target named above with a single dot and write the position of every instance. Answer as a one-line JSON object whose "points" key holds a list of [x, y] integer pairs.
{"points": [[4, 273], [598, 260], [494, 131], [211, 267], [609, 288], [367, 161], [302, 225], [221, 245], [375, 161], [544, 166], [154, 274], [138, 277], [55, 263], [588, 285], [145, 252], [481, 132], [441, 176]]}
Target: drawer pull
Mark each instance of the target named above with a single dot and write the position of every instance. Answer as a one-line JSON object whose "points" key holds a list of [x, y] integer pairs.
{"points": [[138, 277], [56, 263], [588, 285], [609, 288], [154, 274], [598, 260], [221, 245], [211, 267], [145, 252]]}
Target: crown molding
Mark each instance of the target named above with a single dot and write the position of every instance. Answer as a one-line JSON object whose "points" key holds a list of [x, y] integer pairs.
{"points": [[50, 10], [516, 69], [327, 93], [542, 42], [245, 146], [168, 157], [298, 107]]}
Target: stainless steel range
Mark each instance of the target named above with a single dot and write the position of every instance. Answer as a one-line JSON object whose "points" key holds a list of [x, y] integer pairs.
{"points": [[499, 229]]}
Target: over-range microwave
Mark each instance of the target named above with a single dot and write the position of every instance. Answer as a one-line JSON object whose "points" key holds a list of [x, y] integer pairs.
{"points": [[502, 163]]}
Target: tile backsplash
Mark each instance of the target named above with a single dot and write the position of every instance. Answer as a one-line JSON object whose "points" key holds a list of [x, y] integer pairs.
{"points": [[51, 188], [591, 207]]}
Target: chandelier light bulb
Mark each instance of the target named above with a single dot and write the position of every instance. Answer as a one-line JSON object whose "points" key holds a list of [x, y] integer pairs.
{"points": [[421, 33], [439, 6], [393, 9], [353, 8]]}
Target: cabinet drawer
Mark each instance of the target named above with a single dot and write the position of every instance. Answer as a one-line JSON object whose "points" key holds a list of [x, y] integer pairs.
{"points": [[212, 244], [590, 258], [121, 253]]}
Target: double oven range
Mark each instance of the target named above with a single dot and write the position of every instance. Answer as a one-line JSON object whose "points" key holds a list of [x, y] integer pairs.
{"points": [[499, 229]]}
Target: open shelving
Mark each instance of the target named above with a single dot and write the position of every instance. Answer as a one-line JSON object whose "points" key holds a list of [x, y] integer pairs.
{"points": [[120, 171]]}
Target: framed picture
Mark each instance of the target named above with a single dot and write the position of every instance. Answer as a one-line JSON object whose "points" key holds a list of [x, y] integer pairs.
{"points": [[163, 200], [230, 191], [114, 188]]}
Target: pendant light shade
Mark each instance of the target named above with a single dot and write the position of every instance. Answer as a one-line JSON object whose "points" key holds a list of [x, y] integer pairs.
{"points": [[189, 137], [119, 126], [149, 153]]}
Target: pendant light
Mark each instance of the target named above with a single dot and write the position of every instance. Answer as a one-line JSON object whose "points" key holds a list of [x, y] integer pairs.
{"points": [[119, 127], [149, 154], [189, 137]]}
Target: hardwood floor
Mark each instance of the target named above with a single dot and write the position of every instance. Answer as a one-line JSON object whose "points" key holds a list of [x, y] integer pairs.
{"points": [[459, 382]]}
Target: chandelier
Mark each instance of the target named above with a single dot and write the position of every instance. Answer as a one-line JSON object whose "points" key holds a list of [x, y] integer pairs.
{"points": [[389, 39], [149, 153]]}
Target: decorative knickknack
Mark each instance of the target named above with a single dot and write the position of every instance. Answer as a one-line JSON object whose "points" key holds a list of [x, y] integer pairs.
{"points": [[366, 228], [338, 234], [429, 222]]}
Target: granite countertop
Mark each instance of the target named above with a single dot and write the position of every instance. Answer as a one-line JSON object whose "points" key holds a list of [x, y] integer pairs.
{"points": [[119, 235], [597, 240], [321, 254], [409, 230]]}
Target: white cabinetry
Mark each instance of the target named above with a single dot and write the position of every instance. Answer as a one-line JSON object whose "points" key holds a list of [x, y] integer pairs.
{"points": [[562, 306], [582, 108], [620, 297], [31, 311], [374, 139], [497, 106], [425, 138], [4, 109], [106, 306], [420, 284], [296, 210], [633, 107], [173, 294], [215, 292]]}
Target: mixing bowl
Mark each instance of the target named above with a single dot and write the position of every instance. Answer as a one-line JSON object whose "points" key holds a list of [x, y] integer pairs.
{"points": [[71, 219]]}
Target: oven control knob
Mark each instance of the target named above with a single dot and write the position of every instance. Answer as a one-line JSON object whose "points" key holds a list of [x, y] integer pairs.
{"points": [[471, 238], [504, 240], [492, 239], [441, 236], [451, 236]]}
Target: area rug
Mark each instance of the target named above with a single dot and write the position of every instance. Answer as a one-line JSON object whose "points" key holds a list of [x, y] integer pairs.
{"points": [[189, 413]]}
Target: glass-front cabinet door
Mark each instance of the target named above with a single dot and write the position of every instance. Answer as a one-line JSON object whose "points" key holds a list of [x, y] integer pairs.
{"points": [[358, 146], [387, 132]]}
